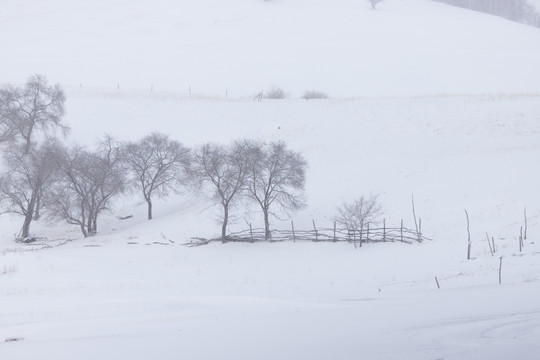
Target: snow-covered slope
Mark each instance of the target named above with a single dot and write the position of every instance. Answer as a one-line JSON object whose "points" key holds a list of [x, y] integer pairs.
{"points": [[131, 293], [342, 47], [135, 292]]}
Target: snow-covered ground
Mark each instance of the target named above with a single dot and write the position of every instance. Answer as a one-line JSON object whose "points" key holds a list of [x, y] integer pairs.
{"points": [[136, 292], [125, 294], [342, 47]]}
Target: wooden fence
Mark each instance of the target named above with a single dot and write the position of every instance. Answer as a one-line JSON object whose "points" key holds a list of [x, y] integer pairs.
{"points": [[357, 237]]}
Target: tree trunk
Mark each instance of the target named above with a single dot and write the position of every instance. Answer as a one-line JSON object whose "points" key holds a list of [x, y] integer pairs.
{"points": [[94, 225], [83, 222], [267, 234], [28, 137], [25, 231], [225, 221], [26, 226], [83, 230], [89, 226], [149, 202], [27, 145], [37, 215]]}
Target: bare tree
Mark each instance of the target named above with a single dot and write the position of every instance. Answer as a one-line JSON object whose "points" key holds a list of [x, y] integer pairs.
{"points": [[357, 214], [32, 109], [27, 176], [276, 180], [158, 165], [374, 3], [225, 168], [90, 181]]}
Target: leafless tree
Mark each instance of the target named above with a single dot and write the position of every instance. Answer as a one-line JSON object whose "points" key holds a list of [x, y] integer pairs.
{"points": [[158, 165], [374, 3], [225, 168], [357, 214], [35, 108], [26, 178], [89, 183], [276, 179]]}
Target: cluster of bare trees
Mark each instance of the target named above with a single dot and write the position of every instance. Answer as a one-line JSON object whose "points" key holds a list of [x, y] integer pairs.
{"points": [[517, 10], [269, 174], [77, 185]]}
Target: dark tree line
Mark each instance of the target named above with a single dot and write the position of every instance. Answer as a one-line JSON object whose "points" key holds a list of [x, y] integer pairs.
{"points": [[78, 185], [516, 10]]}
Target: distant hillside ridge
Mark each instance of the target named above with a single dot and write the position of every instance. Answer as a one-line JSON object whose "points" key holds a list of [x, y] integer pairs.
{"points": [[521, 11]]}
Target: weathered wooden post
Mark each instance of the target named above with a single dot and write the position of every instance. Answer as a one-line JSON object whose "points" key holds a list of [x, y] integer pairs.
{"points": [[489, 243], [468, 237], [419, 230], [520, 239], [367, 233], [384, 230]]}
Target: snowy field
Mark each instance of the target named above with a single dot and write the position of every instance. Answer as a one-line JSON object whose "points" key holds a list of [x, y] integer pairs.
{"points": [[450, 115], [342, 47], [124, 294]]}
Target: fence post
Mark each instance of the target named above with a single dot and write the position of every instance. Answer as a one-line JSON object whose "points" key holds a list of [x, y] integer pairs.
{"points": [[251, 232], [316, 233], [384, 230], [468, 237], [489, 243], [419, 229], [293, 236], [520, 239], [335, 232], [367, 233], [401, 230]]}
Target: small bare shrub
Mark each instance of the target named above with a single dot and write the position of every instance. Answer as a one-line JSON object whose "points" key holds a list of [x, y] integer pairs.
{"points": [[374, 3], [276, 93], [358, 213], [314, 94]]}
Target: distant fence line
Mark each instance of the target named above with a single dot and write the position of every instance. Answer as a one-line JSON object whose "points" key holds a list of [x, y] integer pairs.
{"points": [[357, 237]]}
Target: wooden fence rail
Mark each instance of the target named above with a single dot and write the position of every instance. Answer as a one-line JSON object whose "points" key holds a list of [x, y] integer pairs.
{"points": [[335, 234], [325, 234]]}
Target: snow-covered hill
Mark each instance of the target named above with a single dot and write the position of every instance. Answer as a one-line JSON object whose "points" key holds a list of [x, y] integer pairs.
{"points": [[132, 293], [342, 47], [136, 292]]}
